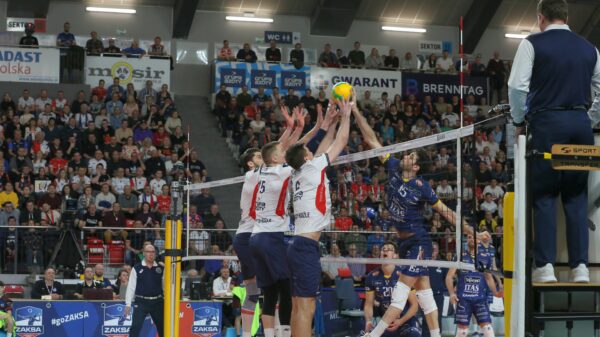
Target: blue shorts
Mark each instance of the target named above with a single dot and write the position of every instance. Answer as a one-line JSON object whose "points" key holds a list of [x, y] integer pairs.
{"points": [[269, 252], [466, 308], [241, 244], [304, 260], [415, 247]]}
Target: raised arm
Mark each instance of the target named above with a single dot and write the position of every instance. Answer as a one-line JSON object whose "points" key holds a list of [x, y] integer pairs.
{"points": [[310, 134], [369, 135], [299, 127], [450, 216], [341, 138], [327, 140]]}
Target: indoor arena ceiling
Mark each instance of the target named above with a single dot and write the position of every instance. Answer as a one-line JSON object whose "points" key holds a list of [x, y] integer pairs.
{"points": [[509, 15]]}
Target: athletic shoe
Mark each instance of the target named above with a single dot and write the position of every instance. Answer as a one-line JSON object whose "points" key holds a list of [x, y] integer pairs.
{"points": [[581, 274], [544, 274]]}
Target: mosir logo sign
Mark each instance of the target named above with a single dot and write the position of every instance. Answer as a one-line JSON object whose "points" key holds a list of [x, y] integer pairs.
{"points": [[136, 71]]}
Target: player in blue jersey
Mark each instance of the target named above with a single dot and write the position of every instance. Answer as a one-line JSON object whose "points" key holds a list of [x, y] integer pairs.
{"points": [[379, 286], [470, 296], [406, 196]]}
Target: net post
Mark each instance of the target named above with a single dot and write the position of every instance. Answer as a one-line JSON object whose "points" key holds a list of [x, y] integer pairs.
{"points": [[173, 256]]}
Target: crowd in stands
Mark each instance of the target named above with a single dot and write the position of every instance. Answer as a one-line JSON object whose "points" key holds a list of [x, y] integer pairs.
{"points": [[95, 45], [373, 59], [358, 189], [104, 159]]}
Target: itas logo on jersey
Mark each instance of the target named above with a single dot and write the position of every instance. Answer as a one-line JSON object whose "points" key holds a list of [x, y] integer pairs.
{"points": [[30, 321], [207, 321], [116, 324]]}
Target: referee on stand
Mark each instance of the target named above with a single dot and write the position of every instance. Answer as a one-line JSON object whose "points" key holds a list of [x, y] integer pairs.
{"points": [[146, 288], [549, 86]]}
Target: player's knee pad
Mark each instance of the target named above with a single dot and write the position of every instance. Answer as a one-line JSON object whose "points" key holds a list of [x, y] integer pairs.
{"points": [[488, 330], [462, 332], [270, 300], [285, 302], [252, 293], [400, 295], [426, 301]]}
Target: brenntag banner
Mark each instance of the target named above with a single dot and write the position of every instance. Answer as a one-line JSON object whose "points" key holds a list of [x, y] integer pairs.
{"points": [[128, 70], [377, 81], [29, 65]]}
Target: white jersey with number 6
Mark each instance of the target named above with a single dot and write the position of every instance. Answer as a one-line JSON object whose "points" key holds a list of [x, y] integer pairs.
{"points": [[272, 199], [248, 201], [310, 196]]}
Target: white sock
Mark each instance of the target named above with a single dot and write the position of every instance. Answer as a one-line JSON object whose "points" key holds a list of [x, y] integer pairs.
{"points": [[270, 332], [462, 332], [435, 333], [488, 331], [379, 329], [9, 334], [286, 331], [246, 334]]}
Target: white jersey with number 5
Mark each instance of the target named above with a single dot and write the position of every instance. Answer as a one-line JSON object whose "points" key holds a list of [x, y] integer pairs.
{"points": [[272, 199], [311, 198], [248, 201]]}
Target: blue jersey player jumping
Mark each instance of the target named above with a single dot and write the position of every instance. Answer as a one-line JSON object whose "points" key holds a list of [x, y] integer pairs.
{"points": [[378, 295], [470, 296], [406, 196]]}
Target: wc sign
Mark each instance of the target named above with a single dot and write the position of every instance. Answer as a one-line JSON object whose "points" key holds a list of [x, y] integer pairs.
{"points": [[282, 37]]}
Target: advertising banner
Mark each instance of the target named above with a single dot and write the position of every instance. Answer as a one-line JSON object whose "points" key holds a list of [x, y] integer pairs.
{"points": [[106, 318], [18, 24], [29, 65], [377, 81], [129, 70], [234, 75], [447, 85]]}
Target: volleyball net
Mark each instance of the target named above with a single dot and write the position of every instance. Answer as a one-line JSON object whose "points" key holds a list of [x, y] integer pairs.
{"points": [[467, 167]]}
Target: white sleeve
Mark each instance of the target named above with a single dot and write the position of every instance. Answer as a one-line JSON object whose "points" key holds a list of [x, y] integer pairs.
{"points": [[520, 75], [131, 285], [321, 161], [594, 111]]}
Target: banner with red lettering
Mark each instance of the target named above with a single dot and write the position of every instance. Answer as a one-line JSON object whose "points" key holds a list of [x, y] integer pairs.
{"points": [[39, 65]]}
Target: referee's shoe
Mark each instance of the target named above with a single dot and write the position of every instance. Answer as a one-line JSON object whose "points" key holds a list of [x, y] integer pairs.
{"points": [[145, 286]]}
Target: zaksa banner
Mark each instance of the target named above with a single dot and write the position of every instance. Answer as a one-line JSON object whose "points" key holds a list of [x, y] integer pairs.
{"points": [[107, 318]]}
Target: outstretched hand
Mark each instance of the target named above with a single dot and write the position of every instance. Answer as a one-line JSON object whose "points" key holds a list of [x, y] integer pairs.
{"points": [[299, 115], [319, 114], [289, 119]]}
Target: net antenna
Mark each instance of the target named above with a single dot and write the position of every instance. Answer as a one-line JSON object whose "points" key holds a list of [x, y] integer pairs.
{"points": [[459, 191]]}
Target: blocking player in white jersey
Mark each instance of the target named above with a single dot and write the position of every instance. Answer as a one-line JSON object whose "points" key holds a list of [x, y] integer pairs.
{"points": [[271, 221], [250, 160], [312, 213]]}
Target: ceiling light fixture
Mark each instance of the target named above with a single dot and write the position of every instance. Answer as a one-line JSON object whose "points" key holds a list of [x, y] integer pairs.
{"points": [[404, 29], [516, 35], [111, 10], [248, 19]]}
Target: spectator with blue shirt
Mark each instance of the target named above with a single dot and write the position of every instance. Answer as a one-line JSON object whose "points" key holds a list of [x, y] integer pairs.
{"points": [[134, 50], [115, 88], [66, 39]]}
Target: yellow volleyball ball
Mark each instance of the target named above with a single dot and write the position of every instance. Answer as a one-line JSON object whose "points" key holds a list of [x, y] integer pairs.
{"points": [[341, 91]]}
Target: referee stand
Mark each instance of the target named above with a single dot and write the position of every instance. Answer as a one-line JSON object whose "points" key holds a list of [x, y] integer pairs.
{"points": [[540, 304]]}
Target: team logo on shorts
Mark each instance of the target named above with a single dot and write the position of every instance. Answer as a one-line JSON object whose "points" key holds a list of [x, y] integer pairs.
{"points": [[30, 321], [207, 321], [115, 323]]}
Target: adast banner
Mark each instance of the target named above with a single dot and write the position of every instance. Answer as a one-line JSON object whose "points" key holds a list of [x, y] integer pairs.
{"points": [[129, 70], [377, 81], [29, 65]]}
